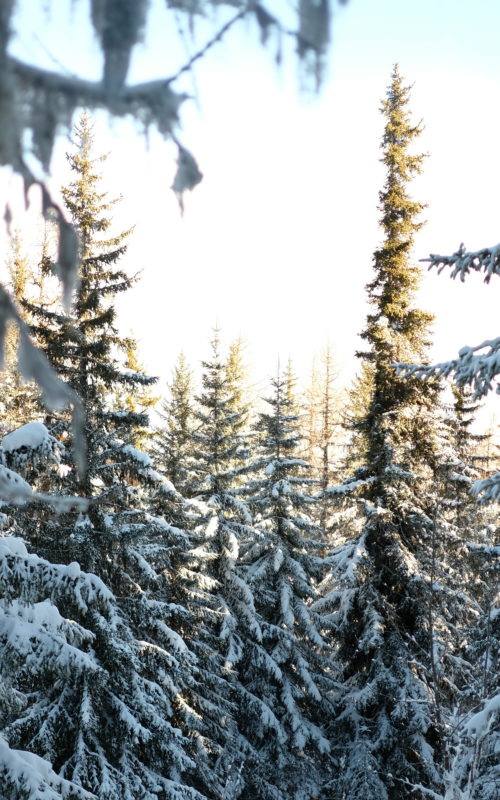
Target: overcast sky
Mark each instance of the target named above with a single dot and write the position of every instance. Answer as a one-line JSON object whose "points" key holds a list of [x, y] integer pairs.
{"points": [[276, 242]]}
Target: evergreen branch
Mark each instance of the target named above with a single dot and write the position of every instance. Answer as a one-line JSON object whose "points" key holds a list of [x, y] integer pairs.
{"points": [[462, 262], [472, 367], [417, 787]]}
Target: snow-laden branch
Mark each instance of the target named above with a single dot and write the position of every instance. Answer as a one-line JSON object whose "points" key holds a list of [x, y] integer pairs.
{"points": [[36, 776], [347, 488], [33, 365], [487, 490], [463, 262], [477, 366], [16, 491], [30, 443]]}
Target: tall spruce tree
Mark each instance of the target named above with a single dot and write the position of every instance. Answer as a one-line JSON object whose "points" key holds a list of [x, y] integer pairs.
{"points": [[130, 739], [84, 345], [218, 447], [289, 670], [383, 602], [223, 524]]}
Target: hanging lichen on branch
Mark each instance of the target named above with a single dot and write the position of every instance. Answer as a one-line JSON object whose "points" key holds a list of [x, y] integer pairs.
{"points": [[41, 102]]}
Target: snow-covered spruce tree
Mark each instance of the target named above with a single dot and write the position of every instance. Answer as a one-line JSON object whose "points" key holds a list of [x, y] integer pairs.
{"points": [[222, 525], [471, 545], [118, 539], [463, 534], [172, 445], [218, 436], [475, 770], [459, 467], [84, 347], [140, 702], [40, 650], [289, 669], [85, 703], [358, 400], [384, 602]]}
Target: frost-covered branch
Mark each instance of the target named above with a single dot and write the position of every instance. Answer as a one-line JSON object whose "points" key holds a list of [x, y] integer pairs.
{"points": [[462, 262], [36, 776], [477, 366], [487, 490], [33, 365]]}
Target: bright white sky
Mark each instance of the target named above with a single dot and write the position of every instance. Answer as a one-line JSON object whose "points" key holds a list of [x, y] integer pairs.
{"points": [[276, 242]]}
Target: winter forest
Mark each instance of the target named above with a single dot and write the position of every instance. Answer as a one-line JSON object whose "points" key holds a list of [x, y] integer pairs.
{"points": [[212, 594]]}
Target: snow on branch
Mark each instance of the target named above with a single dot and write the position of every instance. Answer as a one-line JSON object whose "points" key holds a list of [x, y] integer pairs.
{"points": [[31, 444], [36, 776], [479, 723], [479, 366], [33, 365], [487, 490], [475, 366], [15, 490], [462, 263], [347, 488]]}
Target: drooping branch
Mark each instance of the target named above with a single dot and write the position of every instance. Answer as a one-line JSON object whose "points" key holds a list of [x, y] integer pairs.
{"points": [[33, 365], [475, 366]]}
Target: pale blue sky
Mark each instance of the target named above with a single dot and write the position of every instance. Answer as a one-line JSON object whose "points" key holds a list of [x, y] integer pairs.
{"points": [[276, 242]]}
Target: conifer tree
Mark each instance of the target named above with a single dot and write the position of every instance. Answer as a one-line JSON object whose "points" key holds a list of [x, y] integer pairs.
{"points": [[470, 541], [218, 447], [389, 729], [39, 646], [222, 525], [327, 440], [84, 346], [289, 670], [144, 747], [218, 443], [353, 417], [173, 444]]}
